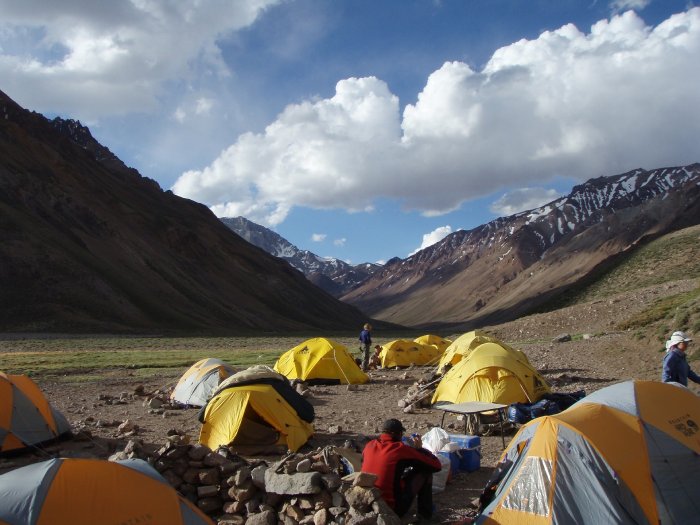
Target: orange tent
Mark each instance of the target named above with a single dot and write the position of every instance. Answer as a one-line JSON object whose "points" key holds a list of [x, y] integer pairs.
{"points": [[26, 416], [90, 491]]}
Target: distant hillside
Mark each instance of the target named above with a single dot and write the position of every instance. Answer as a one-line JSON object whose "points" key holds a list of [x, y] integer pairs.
{"points": [[513, 265], [332, 275], [88, 244]]}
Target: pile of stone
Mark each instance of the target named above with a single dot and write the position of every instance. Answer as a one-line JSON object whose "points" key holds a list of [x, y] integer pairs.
{"points": [[299, 489]]}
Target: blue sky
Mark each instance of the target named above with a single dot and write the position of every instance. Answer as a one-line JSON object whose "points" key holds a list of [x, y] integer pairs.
{"points": [[366, 129]]}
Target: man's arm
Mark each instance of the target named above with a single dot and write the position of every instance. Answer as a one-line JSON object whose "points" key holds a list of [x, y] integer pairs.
{"points": [[695, 378]]}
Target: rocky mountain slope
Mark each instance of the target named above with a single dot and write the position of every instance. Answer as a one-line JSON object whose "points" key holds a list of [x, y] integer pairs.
{"points": [[508, 267], [88, 244], [332, 275]]}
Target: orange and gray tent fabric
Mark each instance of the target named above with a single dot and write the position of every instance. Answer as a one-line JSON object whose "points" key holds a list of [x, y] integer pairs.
{"points": [[435, 340], [492, 373], [201, 379], [320, 360], [254, 410], [90, 491], [462, 346], [26, 416], [402, 352], [628, 453]]}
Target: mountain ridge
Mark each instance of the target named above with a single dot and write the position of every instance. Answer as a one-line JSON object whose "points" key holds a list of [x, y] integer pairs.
{"points": [[330, 274], [486, 266], [88, 244]]}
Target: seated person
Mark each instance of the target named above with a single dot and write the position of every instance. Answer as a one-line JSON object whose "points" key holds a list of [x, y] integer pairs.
{"points": [[375, 361], [403, 472]]}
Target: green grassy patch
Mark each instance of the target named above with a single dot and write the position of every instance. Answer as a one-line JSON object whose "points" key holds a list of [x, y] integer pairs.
{"points": [[85, 359]]}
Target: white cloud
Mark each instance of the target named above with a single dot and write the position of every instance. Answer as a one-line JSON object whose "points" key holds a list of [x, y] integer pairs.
{"points": [[568, 103], [434, 236], [318, 237], [340, 242], [203, 106], [83, 56], [618, 6], [522, 199]]}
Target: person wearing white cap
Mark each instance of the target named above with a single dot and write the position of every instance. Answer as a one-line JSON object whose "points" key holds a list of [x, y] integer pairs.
{"points": [[676, 368]]}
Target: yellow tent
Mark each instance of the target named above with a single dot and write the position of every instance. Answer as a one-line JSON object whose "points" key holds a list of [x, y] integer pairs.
{"points": [[466, 343], [461, 347], [628, 453], [256, 410], [435, 340], [492, 373], [320, 360], [402, 352]]}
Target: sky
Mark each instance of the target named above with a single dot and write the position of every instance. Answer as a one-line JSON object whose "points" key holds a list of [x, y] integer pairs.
{"points": [[366, 129]]}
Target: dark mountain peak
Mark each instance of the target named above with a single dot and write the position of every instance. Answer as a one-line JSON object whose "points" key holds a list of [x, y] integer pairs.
{"points": [[332, 275], [88, 244]]}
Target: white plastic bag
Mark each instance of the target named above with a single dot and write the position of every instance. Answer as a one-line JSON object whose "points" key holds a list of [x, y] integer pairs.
{"points": [[434, 439], [440, 478]]}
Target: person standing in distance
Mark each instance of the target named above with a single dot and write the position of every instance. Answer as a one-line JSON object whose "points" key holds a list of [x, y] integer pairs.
{"points": [[366, 342], [676, 368]]}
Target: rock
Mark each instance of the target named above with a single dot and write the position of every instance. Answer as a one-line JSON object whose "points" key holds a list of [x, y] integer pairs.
{"points": [[321, 517], [231, 519], [293, 484], [209, 505], [198, 451], [304, 465], [154, 402], [258, 476], [335, 429], [266, 517], [127, 426], [562, 338], [360, 498], [242, 493], [208, 476], [207, 491]]}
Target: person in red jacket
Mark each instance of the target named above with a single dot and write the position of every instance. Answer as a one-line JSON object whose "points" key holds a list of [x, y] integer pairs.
{"points": [[403, 471]]}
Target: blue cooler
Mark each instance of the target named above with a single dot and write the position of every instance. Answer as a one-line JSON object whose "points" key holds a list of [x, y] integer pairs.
{"points": [[455, 459], [469, 451]]}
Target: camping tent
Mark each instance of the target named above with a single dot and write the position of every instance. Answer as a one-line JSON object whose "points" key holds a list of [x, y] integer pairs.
{"points": [[462, 346], [491, 373], [320, 360], [200, 380], [402, 352], [89, 491], [26, 416], [435, 340], [256, 410], [628, 453]]}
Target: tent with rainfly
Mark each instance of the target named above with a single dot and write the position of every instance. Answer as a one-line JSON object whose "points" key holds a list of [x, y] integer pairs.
{"points": [[26, 416], [435, 340], [402, 352], [200, 380], [492, 373], [89, 491], [462, 346], [320, 360], [254, 411], [628, 453]]}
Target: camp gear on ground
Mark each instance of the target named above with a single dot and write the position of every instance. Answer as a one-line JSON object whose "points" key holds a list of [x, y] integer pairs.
{"points": [[90, 491], [201, 379], [26, 416], [320, 360], [628, 453]]}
